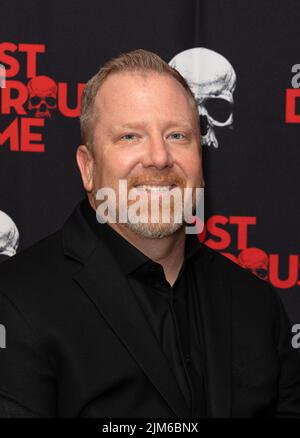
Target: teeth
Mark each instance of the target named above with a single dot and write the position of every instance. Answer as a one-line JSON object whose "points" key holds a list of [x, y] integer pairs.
{"points": [[154, 188]]}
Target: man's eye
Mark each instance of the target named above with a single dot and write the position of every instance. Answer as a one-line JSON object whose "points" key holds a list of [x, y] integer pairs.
{"points": [[128, 137], [178, 136]]}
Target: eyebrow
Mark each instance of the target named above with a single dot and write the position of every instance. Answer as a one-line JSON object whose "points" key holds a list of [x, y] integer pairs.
{"points": [[136, 125]]}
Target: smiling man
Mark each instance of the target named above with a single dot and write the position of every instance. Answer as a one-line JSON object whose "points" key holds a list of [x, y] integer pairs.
{"points": [[146, 131], [137, 318]]}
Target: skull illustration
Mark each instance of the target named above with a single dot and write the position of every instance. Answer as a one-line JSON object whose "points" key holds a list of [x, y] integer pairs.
{"points": [[256, 261], [42, 93], [9, 236], [212, 79]]}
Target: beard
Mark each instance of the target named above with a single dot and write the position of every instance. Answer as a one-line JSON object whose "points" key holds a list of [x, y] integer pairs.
{"points": [[153, 231], [168, 218], [165, 220]]}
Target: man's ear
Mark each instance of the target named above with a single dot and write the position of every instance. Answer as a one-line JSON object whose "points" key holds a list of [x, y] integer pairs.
{"points": [[85, 163]]}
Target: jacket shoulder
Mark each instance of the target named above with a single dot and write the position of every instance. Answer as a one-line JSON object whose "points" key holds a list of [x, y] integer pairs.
{"points": [[243, 284], [39, 261]]}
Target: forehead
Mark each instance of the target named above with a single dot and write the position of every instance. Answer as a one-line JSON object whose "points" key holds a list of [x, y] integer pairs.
{"points": [[127, 94]]}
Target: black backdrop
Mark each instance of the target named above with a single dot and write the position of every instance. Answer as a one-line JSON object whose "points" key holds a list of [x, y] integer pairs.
{"points": [[253, 175]]}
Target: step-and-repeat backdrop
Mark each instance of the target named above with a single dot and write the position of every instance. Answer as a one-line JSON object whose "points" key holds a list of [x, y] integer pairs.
{"points": [[242, 60]]}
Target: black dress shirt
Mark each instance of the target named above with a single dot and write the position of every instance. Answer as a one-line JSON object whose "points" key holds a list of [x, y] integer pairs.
{"points": [[172, 312]]}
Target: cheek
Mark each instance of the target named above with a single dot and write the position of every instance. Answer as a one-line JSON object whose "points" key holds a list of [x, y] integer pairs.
{"points": [[117, 165], [192, 165]]}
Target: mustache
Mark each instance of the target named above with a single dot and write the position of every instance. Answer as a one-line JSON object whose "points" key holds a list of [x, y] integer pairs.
{"points": [[169, 179]]}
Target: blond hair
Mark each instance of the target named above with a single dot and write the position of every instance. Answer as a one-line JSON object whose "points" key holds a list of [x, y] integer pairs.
{"points": [[138, 60]]}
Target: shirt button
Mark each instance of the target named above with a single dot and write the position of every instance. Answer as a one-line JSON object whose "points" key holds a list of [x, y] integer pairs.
{"points": [[187, 359]]}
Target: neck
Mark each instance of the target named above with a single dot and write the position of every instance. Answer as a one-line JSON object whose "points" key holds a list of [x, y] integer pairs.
{"points": [[168, 251]]}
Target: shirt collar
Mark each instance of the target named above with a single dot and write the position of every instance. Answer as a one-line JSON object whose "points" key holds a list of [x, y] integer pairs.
{"points": [[127, 255]]}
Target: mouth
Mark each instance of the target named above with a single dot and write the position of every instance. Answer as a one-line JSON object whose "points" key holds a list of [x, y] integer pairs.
{"points": [[155, 188]]}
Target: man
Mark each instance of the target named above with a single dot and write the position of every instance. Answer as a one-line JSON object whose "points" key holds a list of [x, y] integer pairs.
{"points": [[138, 319]]}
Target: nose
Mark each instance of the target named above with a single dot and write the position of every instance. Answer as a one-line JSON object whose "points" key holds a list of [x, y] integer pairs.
{"points": [[157, 154]]}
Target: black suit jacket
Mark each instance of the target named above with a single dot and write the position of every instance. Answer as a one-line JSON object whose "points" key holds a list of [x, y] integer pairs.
{"points": [[78, 344]]}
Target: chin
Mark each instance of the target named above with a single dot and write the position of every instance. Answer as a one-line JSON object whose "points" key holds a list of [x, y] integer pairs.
{"points": [[153, 231]]}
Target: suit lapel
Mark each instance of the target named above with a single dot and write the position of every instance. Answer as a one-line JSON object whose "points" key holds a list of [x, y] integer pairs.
{"points": [[215, 307], [108, 289]]}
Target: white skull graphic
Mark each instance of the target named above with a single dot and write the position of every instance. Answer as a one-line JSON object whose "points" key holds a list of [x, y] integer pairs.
{"points": [[9, 235], [212, 79]]}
